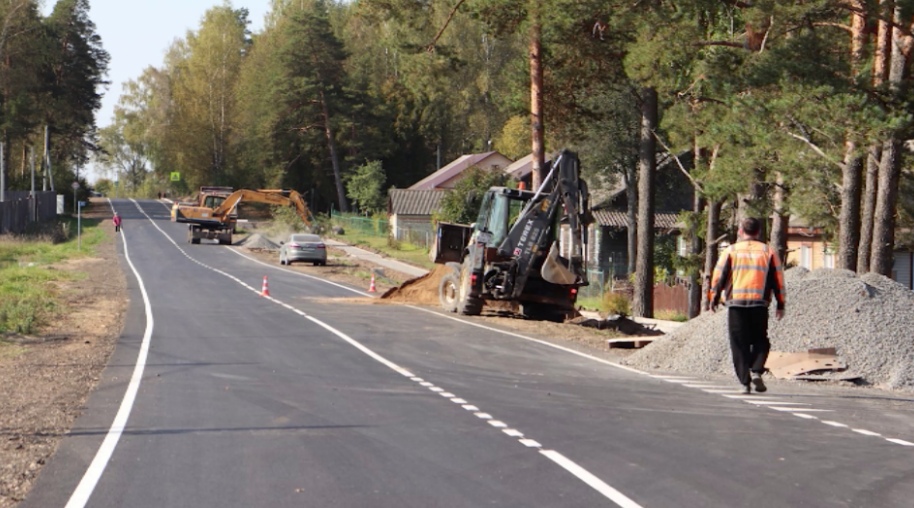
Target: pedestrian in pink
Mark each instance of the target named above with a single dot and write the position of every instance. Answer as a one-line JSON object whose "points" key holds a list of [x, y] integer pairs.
{"points": [[117, 222]]}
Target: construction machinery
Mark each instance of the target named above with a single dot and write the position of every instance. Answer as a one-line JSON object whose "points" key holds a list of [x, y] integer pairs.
{"points": [[528, 248], [214, 215]]}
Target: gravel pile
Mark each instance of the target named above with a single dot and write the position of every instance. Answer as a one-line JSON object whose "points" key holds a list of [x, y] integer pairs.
{"points": [[257, 241], [869, 320]]}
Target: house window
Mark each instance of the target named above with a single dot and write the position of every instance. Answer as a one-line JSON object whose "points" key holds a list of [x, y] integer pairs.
{"points": [[806, 257]]}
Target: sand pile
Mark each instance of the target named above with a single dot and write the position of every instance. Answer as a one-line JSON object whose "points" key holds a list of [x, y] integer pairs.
{"points": [[869, 320], [421, 290]]}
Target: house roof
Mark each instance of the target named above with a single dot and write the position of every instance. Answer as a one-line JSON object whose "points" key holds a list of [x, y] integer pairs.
{"points": [[453, 169], [619, 219], [520, 168], [414, 202]]}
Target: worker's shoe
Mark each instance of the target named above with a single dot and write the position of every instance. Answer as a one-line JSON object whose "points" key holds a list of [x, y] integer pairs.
{"points": [[747, 388], [758, 383]]}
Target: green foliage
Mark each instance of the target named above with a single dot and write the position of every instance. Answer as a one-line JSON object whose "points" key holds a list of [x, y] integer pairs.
{"points": [[365, 187], [670, 315], [461, 204], [286, 218], [616, 303]]}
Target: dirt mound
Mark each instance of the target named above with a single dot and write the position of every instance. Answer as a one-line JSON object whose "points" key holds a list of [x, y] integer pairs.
{"points": [[258, 241], [421, 290]]}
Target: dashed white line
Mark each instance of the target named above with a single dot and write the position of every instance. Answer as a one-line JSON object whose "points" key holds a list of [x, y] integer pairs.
{"points": [[498, 424], [458, 400], [513, 432], [484, 416], [902, 442], [470, 407], [805, 416], [447, 395], [836, 424], [529, 443], [804, 409], [617, 497], [867, 432]]}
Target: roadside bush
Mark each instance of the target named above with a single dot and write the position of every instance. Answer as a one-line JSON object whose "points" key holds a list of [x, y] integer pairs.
{"points": [[25, 300], [616, 303], [671, 315]]}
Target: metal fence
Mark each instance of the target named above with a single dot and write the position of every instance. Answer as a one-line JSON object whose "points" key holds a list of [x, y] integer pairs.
{"points": [[19, 209], [418, 235]]}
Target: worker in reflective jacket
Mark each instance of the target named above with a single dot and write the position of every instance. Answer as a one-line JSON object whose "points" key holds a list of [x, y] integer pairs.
{"points": [[747, 275]]}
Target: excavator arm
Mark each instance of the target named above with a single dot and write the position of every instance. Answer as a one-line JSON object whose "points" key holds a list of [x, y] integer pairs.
{"points": [[270, 196], [530, 237]]}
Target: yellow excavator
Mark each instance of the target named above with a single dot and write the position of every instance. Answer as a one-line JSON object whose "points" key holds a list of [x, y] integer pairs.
{"points": [[214, 215]]}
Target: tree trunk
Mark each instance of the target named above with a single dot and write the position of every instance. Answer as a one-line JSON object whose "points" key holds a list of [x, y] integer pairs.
{"points": [[334, 156], [711, 248], [851, 172], [643, 301], [695, 247], [890, 165], [536, 98], [849, 217], [779, 220], [883, 245], [631, 194], [869, 209]]}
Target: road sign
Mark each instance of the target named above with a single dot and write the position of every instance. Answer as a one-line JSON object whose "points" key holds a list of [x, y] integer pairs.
{"points": [[175, 176], [75, 185], [82, 204]]}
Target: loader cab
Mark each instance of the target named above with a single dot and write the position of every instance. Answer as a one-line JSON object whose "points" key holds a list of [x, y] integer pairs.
{"points": [[499, 211]]}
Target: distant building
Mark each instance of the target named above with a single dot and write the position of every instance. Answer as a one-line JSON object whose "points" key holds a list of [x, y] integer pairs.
{"points": [[448, 176]]}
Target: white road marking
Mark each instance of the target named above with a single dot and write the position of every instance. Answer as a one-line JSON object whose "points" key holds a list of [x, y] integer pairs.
{"points": [[436, 389], [484, 416], [447, 395], [470, 407], [902, 442], [617, 497], [498, 424], [300, 274], [804, 409], [529, 443], [513, 432], [724, 391], [867, 432], [707, 386], [93, 474], [806, 416], [458, 400], [774, 403], [836, 424], [426, 384]]}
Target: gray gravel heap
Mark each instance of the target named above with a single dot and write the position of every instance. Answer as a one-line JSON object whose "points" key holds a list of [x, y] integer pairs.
{"points": [[869, 320]]}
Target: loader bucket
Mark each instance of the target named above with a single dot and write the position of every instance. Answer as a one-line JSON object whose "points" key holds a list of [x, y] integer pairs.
{"points": [[555, 271]]}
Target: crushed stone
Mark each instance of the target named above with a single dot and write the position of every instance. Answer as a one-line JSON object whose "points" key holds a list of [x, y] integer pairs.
{"points": [[869, 320], [258, 241]]}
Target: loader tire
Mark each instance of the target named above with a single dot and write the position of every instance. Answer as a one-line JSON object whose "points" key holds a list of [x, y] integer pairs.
{"points": [[466, 304], [448, 289]]}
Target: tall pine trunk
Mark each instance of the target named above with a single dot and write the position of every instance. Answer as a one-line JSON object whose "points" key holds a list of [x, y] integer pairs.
{"points": [[852, 168], [779, 220], [536, 97], [631, 194], [890, 163], [334, 155], [643, 301], [712, 232], [869, 209]]}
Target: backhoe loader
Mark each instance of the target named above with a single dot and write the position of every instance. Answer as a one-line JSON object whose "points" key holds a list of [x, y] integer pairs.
{"points": [[512, 252], [214, 216]]}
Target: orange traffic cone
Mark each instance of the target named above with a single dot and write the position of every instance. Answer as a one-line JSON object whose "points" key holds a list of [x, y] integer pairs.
{"points": [[371, 287], [265, 291]]}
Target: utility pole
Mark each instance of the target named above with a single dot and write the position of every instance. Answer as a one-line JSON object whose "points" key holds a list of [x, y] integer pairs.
{"points": [[32, 210], [2, 174], [47, 155]]}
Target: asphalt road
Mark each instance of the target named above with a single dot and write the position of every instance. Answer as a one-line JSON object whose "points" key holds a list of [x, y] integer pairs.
{"points": [[217, 396]]}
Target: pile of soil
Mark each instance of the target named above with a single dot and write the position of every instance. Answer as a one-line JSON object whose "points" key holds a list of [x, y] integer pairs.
{"points": [[420, 290]]}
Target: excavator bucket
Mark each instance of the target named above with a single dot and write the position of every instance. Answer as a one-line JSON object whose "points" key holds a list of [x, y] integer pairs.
{"points": [[555, 271]]}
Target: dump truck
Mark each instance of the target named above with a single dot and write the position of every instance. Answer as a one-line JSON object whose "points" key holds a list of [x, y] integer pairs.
{"points": [[513, 253], [214, 215]]}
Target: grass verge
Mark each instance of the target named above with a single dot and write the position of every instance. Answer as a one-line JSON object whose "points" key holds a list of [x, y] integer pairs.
{"points": [[28, 280]]}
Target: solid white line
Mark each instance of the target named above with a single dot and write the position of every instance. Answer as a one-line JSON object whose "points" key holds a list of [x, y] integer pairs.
{"points": [[789, 409], [867, 432], [902, 442], [806, 416], [774, 403], [93, 474], [599, 485], [722, 392], [835, 424]]}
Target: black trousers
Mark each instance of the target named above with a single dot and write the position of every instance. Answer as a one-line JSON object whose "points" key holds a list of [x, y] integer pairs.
{"points": [[749, 342]]}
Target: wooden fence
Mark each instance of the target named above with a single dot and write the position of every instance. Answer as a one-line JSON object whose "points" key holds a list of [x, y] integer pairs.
{"points": [[675, 298], [19, 209]]}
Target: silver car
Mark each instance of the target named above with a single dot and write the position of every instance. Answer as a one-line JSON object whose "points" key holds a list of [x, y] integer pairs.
{"points": [[303, 247]]}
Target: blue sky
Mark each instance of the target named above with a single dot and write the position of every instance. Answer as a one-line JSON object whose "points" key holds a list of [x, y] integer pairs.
{"points": [[138, 32]]}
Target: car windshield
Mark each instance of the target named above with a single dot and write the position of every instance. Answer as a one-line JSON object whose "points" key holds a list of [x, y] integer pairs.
{"points": [[306, 239]]}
